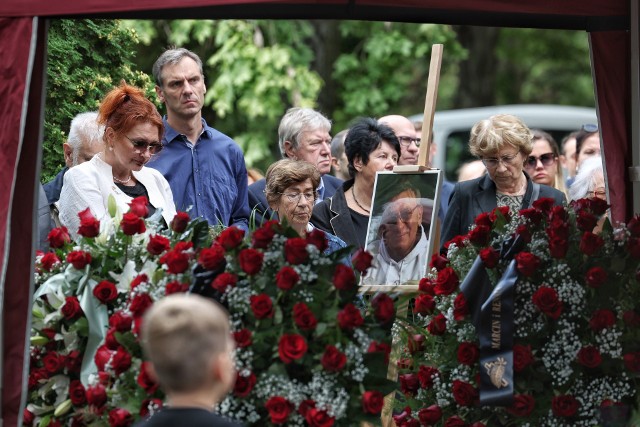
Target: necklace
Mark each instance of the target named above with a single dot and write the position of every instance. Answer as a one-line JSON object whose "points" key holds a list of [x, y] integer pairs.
{"points": [[357, 202], [123, 181]]}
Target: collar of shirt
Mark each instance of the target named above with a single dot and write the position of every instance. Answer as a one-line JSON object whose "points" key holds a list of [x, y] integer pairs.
{"points": [[170, 134], [320, 192]]}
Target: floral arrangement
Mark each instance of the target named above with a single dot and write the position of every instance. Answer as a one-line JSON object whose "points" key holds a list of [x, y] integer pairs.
{"points": [[576, 351], [309, 352]]}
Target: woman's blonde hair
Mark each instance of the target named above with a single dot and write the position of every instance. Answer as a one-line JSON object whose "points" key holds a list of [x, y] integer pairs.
{"points": [[489, 136]]}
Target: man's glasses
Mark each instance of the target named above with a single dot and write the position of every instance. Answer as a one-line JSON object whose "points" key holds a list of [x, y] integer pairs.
{"points": [[406, 141], [590, 127], [140, 146], [546, 159], [403, 215], [492, 162], [295, 197], [600, 193]]}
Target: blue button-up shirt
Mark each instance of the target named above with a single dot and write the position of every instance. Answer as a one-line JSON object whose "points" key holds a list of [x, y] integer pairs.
{"points": [[208, 179]]}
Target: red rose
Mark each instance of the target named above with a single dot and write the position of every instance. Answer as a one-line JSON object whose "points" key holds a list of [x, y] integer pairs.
{"points": [[438, 325], [244, 385], [295, 250], [589, 357], [97, 395], [447, 281], [468, 353], [89, 225], [424, 304], [53, 362], [409, 383], [543, 204], [522, 357], [291, 347], [110, 340], [632, 361], [523, 231], [333, 360], [634, 226], [458, 241], [318, 239], [631, 318], [430, 415], [460, 307], [404, 419], [179, 222], [415, 343], [546, 300], [455, 421], [350, 317], [372, 402], [132, 224], [212, 258], [158, 244], [231, 237], [527, 263], [242, 338], [138, 206], [633, 246], [251, 261], [305, 405], [500, 211], [319, 418], [427, 286], [121, 321], [564, 405], [121, 360], [145, 380], [304, 317], [261, 305], [176, 287], [344, 278], [380, 347], [102, 357], [140, 304], [224, 281], [595, 277], [262, 236], [586, 221], [71, 309], [426, 374], [522, 406], [58, 237], [489, 257], [383, 308], [558, 247], [49, 260], [73, 362], [464, 393], [438, 262], [532, 214], [27, 417], [479, 236], [361, 260], [148, 405], [602, 319], [483, 219], [120, 417], [286, 278], [105, 291], [79, 259], [590, 243], [138, 280], [279, 409], [176, 261]]}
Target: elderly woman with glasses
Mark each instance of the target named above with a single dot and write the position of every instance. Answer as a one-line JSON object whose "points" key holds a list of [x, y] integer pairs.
{"points": [[543, 165], [291, 190], [503, 143], [133, 131]]}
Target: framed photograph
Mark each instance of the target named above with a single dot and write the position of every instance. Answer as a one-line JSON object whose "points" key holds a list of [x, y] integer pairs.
{"points": [[402, 227]]}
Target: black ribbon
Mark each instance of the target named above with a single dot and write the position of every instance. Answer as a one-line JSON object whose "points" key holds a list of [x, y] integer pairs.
{"points": [[491, 311]]}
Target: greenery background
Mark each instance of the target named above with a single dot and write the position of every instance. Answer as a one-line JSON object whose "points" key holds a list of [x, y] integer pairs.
{"points": [[256, 69]]}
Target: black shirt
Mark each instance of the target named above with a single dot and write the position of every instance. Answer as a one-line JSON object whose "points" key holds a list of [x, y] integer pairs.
{"points": [[186, 417]]}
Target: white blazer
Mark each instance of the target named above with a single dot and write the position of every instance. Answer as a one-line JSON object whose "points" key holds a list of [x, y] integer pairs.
{"points": [[89, 185]]}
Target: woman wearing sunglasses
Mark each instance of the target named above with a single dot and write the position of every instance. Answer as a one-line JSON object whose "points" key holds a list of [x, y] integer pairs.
{"points": [[543, 165], [503, 143], [133, 131]]}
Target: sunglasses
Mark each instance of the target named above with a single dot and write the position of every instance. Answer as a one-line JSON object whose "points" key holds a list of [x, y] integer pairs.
{"points": [[590, 127], [546, 160], [140, 146]]}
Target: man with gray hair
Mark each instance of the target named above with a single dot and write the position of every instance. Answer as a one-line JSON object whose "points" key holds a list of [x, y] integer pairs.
{"points": [[84, 141], [303, 134], [204, 167]]}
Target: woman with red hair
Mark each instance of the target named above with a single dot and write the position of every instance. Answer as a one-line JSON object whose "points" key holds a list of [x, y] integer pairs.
{"points": [[133, 134]]}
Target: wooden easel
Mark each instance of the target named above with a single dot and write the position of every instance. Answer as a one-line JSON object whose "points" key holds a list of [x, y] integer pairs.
{"points": [[423, 158]]}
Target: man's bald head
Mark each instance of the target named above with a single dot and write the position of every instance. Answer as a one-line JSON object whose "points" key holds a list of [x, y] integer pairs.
{"points": [[405, 131]]}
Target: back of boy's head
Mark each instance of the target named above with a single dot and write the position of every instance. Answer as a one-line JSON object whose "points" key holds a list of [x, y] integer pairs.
{"points": [[180, 335]]}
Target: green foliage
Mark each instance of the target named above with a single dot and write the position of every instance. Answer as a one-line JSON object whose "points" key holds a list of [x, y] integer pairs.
{"points": [[86, 58]]}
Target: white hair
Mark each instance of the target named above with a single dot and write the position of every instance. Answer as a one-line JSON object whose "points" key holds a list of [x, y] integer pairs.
{"points": [[296, 121], [85, 130], [586, 178]]}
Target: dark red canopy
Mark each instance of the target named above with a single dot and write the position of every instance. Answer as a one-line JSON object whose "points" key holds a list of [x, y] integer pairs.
{"points": [[612, 24]]}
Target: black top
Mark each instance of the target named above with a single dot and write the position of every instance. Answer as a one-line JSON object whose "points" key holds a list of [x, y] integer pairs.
{"points": [[333, 216], [360, 222], [137, 191], [186, 417]]}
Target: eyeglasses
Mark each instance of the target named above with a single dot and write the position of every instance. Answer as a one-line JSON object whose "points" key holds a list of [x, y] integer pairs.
{"points": [[546, 159], [406, 141], [141, 146], [492, 162], [404, 215], [590, 127], [600, 193], [295, 197]]}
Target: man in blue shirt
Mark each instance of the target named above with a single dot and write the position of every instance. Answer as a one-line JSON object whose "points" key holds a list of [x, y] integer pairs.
{"points": [[204, 167]]}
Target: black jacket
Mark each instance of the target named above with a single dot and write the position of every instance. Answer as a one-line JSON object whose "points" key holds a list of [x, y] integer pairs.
{"points": [[333, 216]]}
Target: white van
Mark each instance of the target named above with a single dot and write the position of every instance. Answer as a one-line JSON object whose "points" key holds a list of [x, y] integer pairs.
{"points": [[451, 128]]}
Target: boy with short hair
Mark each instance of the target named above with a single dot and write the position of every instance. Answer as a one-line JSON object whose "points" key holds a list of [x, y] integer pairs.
{"points": [[186, 338]]}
